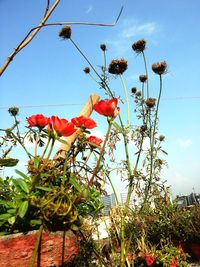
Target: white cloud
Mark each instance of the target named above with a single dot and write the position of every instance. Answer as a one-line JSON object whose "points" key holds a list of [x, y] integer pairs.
{"points": [[128, 29], [134, 28], [89, 9], [184, 143]]}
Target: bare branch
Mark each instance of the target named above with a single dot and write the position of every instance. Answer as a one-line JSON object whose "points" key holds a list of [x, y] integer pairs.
{"points": [[47, 8], [28, 39], [32, 33]]}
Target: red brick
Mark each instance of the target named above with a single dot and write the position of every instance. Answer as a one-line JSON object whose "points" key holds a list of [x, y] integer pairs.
{"points": [[17, 250]]}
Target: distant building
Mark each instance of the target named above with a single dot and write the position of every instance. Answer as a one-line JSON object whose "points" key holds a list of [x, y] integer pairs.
{"points": [[109, 201], [184, 201]]}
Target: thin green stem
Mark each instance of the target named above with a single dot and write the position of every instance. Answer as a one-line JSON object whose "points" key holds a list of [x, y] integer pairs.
{"points": [[101, 154], [127, 100], [146, 70], [37, 244], [152, 145], [90, 64]]}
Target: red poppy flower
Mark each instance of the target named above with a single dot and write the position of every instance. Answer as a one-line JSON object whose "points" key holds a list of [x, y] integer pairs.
{"points": [[150, 259], [62, 126], [38, 120], [82, 121], [107, 107], [95, 140]]}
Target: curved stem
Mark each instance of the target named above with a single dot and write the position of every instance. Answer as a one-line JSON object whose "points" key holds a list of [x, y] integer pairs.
{"points": [[127, 100]]}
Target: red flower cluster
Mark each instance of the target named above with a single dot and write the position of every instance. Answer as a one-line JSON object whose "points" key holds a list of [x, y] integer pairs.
{"points": [[95, 140], [82, 121], [107, 107], [150, 259], [62, 126]]}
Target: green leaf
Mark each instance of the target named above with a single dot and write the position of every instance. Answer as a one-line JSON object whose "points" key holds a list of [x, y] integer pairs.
{"points": [[5, 216], [23, 209], [35, 222], [12, 219], [22, 184], [22, 174], [76, 184], [36, 162], [47, 189], [8, 162]]}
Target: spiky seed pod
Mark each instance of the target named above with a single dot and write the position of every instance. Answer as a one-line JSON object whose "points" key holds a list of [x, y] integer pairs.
{"points": [[139, 46], [133, 90], [150, 102], [14, 111], [160, 67], [118, 66], [143, 78], [86, 70], [103, 47], [65, 32]]}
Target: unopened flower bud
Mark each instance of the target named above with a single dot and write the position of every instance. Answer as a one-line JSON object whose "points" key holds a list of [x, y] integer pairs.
{"points": [[143, 78], [103, 47], [161, 138], [86, 70], [133, 90]]}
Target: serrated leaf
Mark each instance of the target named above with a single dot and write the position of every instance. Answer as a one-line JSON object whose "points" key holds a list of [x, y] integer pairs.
{"points": [[23, 209]]}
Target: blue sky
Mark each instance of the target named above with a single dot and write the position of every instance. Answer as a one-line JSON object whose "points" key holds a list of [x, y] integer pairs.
{"points": [[49, 71]]}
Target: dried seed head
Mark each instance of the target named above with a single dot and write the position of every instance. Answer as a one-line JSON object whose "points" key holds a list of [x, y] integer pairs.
{"points": [[143, 78], [65, 32], [138, 93], [150, 102], [118, 66], [161, 137], [133, 90], [139, 46], [143, 128], [160, 67], [103, 47], [13, 111], [86, 70]]}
